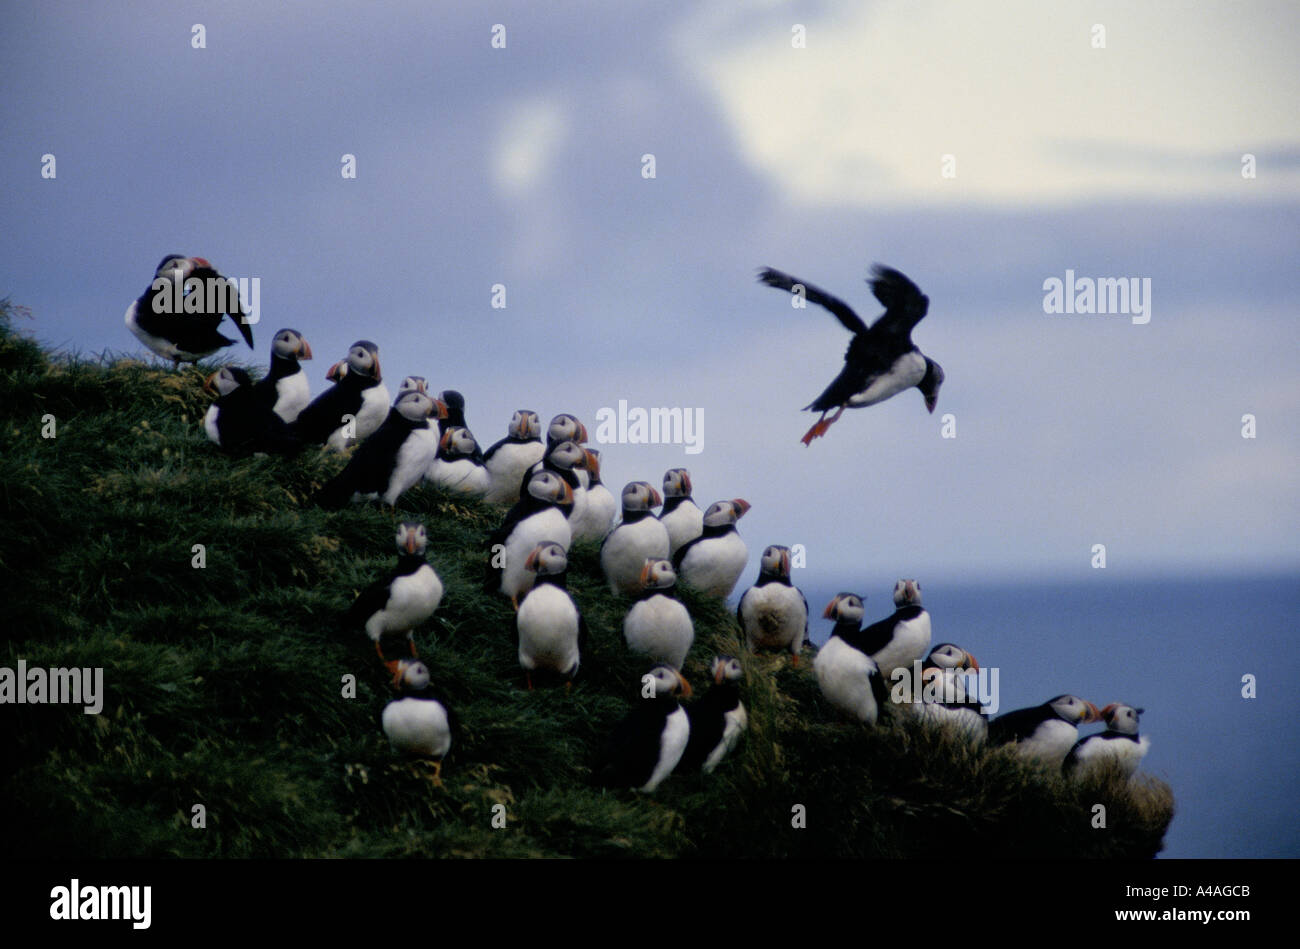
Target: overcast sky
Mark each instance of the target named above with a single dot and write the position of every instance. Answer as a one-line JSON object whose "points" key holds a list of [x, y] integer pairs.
{"points": [[523, 166]]}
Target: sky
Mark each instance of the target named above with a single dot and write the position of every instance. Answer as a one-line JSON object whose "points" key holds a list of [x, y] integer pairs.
{"points": [[982, 149]]}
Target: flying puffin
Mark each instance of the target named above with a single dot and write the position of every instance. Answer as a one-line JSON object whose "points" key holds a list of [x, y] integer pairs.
{"points": [[1046, 731], [540, 516], [881, 360], [239, 421], [359, 392], [895, 641], [648, 743], [552, 632], [416, 723], [597, 516], [714, 561], [953, 704], [658, 624], [1119, 743], [401, 601], [681, 515], [284, 388], [458, 466], [773, 613], [391, 460], [848, 678], [178, 315], [513, 455], [638, 537], [717, 719]]}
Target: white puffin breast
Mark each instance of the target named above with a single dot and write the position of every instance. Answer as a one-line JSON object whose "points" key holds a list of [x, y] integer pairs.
{"points": [[660, 627], [774, 616], [548, 524], [910, 641], [292, 395], [734, 722], [210, 424], [672, 744], [507, 466], [1096, 750], [411, 600], [413, 459], [626, 550], [1051, 741], [685, 522], [461, 475], [597, 516], [417, 727], [714, 564], [907, 370], [548, 629], [844, 674]]}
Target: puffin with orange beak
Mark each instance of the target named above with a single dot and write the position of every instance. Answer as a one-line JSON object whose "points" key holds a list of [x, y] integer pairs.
{"points": [[551, 630], [717, 720], [542, 515], [882, 360], [638, 537], [239, 421], [647, 745], [353, 408], [948, 698], [773, 613], [848, 678], [458, 466], [178, 315], [508, 459], [681, 515], [393, 606], [896, 641], [658, 625], [596, 518], [1046, 732], [416, 723], [1119, 745], [285, 388], [714, 561]]}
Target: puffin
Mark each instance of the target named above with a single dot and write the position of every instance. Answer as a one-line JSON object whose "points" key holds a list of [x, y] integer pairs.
{"points": [[178, 315], [882, 360], [405, 598], [455, 403], [714, 561], [552, 632], [597, 515], [458, 465], [239, 422], [681, 515], [508, 459], [849, 679], [658, 624], [393, 459], [773, 613], [1046, 732], [568, 460], [647, 745], [565, 428], [896, 641], [358, 393], [638, 537], [946, 699], [284, 389], [1119, 745], [416, 723], [717, 719], [541, 515]]}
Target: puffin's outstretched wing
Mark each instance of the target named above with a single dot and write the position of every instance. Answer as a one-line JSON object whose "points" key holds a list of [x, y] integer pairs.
{"points": [[905, 304], [783, 281]]}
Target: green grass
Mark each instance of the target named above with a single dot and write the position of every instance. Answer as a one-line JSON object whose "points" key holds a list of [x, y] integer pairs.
{"points": [[224, 684]]}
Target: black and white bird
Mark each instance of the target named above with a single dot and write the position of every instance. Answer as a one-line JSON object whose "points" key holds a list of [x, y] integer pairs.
{"points": [[542, 515], [285, 387], [714, 561], [513, 455], [565, 428], [896, 641], [681, 515], [568, 460], [458, 465], [948, 696], [598, 513], [881, 360], [638, 537], [455, 403], [416, 723], [552, 632], [1119, 746], [239, 421], [178, 315], [718, 719], [848, 678], [353, 408], [647, 745], [393, 606], [393, 459], [658, 624], [1046, 732], [773, 613]]}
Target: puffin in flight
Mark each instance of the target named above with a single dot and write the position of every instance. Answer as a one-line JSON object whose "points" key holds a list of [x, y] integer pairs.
{"points": [[882, 360]]}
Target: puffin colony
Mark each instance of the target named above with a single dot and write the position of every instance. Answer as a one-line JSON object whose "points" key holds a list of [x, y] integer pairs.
{"points": [[550, 494]]}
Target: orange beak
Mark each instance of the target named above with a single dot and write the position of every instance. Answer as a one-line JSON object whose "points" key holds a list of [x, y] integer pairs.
{"points": [[593, 464], [719, 675], [410, 543], [582, 434], [656, 498], [445, 440], [530, 562], [566, 493], [829, 612], [379, 376], [645, 572], [209, 385], [439, 409], [1094, 714], [973, 664], [741, 506], [335, 372], [785, 562], [202, 262], [686, 686], [304, 350]]}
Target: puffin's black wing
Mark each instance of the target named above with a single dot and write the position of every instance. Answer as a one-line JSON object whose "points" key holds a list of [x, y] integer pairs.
{"points": [[325, 413], [369, 602], [633, 748], [871, 639], [783, 281], [905, 304], [864, 361], [1014, 726], [367, 470], [233, 308], [806, 640]]}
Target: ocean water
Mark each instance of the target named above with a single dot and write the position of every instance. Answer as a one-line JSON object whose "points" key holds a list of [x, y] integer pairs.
{"points": [[1178, 648]]}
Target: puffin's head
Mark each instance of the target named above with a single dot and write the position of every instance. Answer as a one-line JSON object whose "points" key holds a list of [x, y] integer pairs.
{"points": [[845, 608], [640, 496], [1072, 709], [721, 513], [547, 559], [455, 401], [677, 483], [776, 561], [413, 384], [174, 267], [658, 575], [457, 442], [725, 669], [907, 593], [415, 406], [550, 487], [667, 681], [929, 384], [363, 359], [411, 538], [565, 428], [1121, 718], [525, 424], [410, 675], [948, 656], [226, 380], [567, 455], [290, 344]]}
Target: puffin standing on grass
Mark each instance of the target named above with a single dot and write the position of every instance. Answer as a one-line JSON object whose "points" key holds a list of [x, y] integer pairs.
{"points": [[598, 513], [1046, 731], [408, 596], [458, 465], [714, 561], [947, 697], [882, 360], [647, 744], [416, 723], [717, 720], [285, 388], [896, 641], [658, 625], [508, 459], [638, 538], [773, 613], [178, 315], [1120, 744], [239, 421], [552, 632], [681, 515], [353, 408], [542, 515], [848, 678]]}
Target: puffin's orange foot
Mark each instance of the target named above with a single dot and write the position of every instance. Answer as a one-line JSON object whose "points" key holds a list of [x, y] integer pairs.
{"points": [[822, 427]]}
